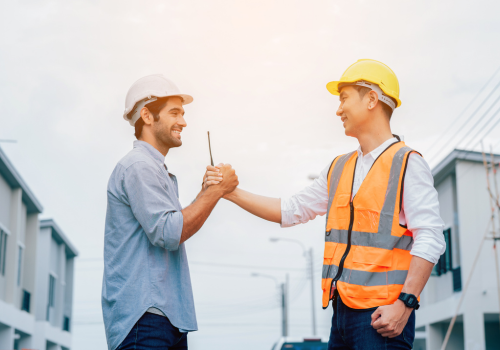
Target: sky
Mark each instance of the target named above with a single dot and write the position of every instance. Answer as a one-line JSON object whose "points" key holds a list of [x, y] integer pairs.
{"points": [[257, 71]]}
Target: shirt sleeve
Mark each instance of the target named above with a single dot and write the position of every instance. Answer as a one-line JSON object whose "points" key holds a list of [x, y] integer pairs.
{"points": [[152, 206], [306, 204], [420, 209]]}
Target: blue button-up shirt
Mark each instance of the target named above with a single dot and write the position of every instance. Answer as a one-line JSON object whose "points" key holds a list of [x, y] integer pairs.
{"points": [[144, 265]]}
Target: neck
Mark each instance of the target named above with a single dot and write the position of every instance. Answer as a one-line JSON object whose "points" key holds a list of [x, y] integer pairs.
{"points": [[374, 137], [153, 142]]}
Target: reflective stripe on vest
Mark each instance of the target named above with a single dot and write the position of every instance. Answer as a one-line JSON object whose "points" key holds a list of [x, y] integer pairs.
{"points": [[375, 268]]}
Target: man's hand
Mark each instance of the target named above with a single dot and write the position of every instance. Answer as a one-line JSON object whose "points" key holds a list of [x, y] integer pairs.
{"points": [[213, 176], [390, 320], [229, 176]]}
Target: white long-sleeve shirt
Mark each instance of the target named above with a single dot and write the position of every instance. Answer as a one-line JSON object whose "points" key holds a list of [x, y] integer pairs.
{"points": [[419, 211]]}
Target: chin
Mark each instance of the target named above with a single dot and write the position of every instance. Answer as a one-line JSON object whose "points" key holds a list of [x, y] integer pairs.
{"points": [[176, 143]]}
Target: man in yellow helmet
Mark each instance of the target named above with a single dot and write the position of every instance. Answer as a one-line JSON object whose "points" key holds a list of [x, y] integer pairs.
{"points": [[383, 230]]}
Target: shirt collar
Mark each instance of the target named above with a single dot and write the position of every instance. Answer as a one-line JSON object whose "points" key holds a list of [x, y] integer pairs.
{"points": [[150, 150], [377, 151]]}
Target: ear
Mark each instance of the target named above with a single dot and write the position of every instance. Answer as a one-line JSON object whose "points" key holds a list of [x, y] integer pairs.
{"points": [[146, 116], [372, 99]]}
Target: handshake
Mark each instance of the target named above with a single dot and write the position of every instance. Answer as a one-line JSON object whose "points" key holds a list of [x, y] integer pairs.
{"points": [[221, 177]]}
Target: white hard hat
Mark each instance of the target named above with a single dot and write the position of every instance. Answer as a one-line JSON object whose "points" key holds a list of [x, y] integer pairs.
{"points": [[147, 90]]}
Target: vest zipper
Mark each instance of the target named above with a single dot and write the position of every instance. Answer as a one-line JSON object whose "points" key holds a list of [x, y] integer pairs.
{"points": [[347, 249]]}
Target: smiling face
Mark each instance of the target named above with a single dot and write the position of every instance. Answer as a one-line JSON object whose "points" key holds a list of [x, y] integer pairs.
{"points": [[167, 129], [353, 110]]}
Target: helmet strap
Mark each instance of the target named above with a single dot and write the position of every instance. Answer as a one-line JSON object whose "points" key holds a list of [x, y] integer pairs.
{"points": [[381, 95], [135, 113]]}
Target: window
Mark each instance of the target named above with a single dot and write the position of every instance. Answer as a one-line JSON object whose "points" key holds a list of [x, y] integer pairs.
{"points": [[26, 301], [66, 323], [445, 261], [3, 251], [19, 266]]}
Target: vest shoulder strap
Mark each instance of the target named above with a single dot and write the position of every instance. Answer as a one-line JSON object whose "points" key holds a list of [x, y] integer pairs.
{"points": [[334, 176]]}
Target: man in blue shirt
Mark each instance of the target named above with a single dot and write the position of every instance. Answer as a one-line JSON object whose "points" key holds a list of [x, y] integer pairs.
{"points": [[147, 299]]}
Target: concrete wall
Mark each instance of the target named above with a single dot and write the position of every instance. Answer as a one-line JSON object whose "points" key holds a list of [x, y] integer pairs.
{"points": [[31, 255], [42, 277], [15, 228], [5, 199], [474, 211], [30, 267], [439, 288], [68, 294]]}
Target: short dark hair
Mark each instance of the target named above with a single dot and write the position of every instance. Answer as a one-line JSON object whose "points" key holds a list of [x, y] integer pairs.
{"points": [[363, 90], [154, 108]]}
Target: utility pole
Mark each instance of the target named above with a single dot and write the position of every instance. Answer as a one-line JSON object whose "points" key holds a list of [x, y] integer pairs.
{"points": [[284, 307], [308, 254], [311, 272], [283, 293]]}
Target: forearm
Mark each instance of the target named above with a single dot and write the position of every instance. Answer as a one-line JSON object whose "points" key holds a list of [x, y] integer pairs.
{"points": [[264, 207], [418, 275], [197, 212]]}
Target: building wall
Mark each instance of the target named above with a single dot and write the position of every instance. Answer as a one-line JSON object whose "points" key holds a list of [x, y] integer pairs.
{"points": [[439, 288], [5, 212], [31, 255], [5, 198], [43, 268], [68, 292], [30, 267]]}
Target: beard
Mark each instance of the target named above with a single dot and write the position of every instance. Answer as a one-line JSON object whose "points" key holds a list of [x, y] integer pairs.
{"points": [[166, 138]]}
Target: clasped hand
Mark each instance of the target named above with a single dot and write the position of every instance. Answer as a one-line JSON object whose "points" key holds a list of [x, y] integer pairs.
{"points": [[216, 174]]}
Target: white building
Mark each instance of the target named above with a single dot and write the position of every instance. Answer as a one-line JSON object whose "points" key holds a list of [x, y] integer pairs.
{"points": [[36, 271], [460, 180]]}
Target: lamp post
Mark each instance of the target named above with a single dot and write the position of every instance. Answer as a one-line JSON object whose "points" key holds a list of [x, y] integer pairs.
{"points": [[307, 254], [283, 287]]}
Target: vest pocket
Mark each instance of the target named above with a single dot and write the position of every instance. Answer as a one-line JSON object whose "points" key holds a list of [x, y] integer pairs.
{"points": [[370, 279], [373, 256], [371, 292], [330, 248]]}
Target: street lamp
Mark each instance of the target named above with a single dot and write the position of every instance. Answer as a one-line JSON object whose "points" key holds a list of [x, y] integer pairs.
{"points": [[311, 273], [284, 300]]}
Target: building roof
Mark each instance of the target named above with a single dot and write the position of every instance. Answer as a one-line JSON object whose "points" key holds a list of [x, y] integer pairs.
{"points": [[10, 174], [447, 165], [59, 236]]}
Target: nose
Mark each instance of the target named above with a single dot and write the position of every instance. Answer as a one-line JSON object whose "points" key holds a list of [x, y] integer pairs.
{"points": [[340, 110], [181, 121]]}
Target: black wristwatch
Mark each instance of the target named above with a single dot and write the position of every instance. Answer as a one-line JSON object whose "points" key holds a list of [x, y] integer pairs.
{"points": [[410, 300]]}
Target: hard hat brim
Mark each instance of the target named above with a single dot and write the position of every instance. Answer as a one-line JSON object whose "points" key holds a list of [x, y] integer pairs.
{"points": [[186, 99]]}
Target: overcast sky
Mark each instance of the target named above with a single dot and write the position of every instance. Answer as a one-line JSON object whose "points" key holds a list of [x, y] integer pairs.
{"points": [[257, 71]]}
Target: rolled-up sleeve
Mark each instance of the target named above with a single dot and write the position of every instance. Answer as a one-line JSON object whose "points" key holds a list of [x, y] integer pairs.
{"points": [[421, 211], [306, 204], [152, 205]]}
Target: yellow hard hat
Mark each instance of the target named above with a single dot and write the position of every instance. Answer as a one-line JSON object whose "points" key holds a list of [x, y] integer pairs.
{"points": [[369, 71]]}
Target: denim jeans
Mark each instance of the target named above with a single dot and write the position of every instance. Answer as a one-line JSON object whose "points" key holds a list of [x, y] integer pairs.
{"points": [[154, 332], [351, 330]]}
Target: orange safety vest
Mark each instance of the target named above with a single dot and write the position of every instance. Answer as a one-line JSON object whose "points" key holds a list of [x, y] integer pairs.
{"points": [[367, 251]]}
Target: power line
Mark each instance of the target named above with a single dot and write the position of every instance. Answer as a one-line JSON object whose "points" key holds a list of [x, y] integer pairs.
{"points": [[489, 120], [463, 111], [468, 152], [440, 150]]}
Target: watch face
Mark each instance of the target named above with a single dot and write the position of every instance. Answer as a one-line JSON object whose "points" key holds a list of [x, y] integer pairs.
{"points": [[411, 300]]}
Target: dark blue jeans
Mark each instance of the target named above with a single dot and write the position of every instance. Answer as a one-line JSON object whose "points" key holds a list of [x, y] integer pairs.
{"points": [[351, 330], [154, 332]]}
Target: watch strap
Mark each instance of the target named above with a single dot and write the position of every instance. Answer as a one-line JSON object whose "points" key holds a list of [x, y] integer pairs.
{"points": [[409, 300]]}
